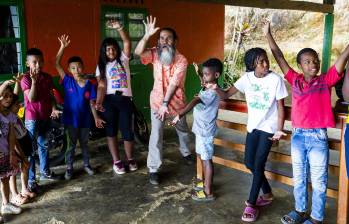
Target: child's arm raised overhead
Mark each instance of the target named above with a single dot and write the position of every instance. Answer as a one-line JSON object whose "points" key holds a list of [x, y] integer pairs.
{"points": [[64, 40], [342, 60], [114, 24], [278, 55], [187, 108]]}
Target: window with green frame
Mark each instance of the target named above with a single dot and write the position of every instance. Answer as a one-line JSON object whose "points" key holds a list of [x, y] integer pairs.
{"points": [[12, 38], [130, 19]]}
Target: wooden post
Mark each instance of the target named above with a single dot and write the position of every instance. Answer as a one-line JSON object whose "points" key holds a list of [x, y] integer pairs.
{"points": [[343, 188], [199, 173]]}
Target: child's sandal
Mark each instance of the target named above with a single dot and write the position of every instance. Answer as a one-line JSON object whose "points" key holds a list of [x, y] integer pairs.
{"points": [[19, 200], [199, 186], [263, 201], [202, 196], [250, 214]]}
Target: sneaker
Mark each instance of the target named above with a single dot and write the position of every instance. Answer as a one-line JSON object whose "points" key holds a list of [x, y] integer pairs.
{"points": [[48, 176], [119, 168], [68, 174], [10, 208], [189, 160], [88, 169], [33, 187], [132, 165], [154, 178]]}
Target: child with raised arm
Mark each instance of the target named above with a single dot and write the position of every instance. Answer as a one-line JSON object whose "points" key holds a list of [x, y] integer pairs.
{"points": [[311, 116], [79, 95], [265, 92], [204, 127], [115, 93], [25, 145]]}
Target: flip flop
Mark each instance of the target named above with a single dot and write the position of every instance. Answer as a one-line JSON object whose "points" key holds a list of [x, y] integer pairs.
{"points": [[19, 200], [250, 214]]}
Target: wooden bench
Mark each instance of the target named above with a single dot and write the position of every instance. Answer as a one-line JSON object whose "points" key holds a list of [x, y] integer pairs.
{"points": [[276, 156]]}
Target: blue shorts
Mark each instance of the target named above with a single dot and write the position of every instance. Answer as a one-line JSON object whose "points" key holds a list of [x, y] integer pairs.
{"points": [[204, 146]]}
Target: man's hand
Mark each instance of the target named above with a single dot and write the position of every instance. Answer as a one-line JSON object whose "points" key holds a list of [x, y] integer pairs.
{"points": [[277, 136], [64, 40], [161, 114], [150, 28], [174, 121], [99, 122], [55, 113]]}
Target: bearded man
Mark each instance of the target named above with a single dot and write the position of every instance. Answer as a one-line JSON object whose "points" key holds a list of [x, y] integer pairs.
{"points": [[167, 97]]}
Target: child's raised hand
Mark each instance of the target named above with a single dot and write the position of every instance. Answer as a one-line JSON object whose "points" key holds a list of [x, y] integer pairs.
{"points": [[174, 121], [114, 24], [64, 40], [17, 78], [196, 67], [266, 26], [150, 28], [277, 136]]}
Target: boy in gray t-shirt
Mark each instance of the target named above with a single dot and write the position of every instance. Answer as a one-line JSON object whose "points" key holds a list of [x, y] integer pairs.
{"points": [[205, 106]]}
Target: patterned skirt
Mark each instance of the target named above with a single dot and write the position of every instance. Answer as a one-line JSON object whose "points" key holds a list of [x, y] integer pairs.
{"points": [[5, 167]]}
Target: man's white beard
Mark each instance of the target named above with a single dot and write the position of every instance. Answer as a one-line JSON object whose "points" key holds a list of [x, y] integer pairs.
{"points": [[166, 56]]}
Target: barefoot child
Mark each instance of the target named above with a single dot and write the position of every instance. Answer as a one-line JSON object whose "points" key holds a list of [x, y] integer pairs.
{"points": [[205, 114]]}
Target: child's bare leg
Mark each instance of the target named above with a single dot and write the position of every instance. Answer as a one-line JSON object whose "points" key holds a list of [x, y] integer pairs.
{"points": [[128, 149], [24, 181], [208, 174], [5, 190], [113, 147], [13, 186]]}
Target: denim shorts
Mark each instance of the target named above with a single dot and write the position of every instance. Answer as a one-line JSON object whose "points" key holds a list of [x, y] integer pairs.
{"points": [[204, 147]]}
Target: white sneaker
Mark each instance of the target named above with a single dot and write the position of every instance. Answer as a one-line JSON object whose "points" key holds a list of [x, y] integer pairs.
{"points": [[10, 208], [88, 169], [119, 168]]}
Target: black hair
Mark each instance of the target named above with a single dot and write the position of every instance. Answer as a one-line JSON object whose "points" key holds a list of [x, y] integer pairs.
{"points": [[103, 60], [169, 29], [305, 50], [75, 59], [34, 52], [214, 64], [251, 57]]}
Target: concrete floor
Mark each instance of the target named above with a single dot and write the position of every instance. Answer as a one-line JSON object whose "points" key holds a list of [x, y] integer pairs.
{"points": [[108, 198]]}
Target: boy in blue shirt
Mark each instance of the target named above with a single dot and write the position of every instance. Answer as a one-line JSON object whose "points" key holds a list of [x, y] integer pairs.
{"points": [[205, 105], [79, 94]]}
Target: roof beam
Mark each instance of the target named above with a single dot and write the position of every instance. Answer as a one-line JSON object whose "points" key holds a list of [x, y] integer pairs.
{"points": [[274, 4]]}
